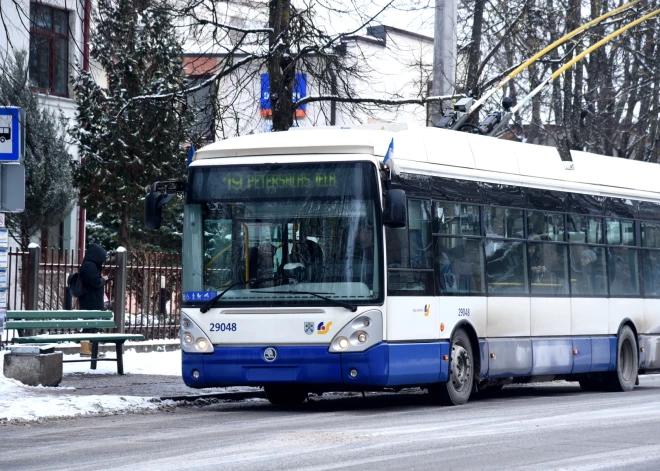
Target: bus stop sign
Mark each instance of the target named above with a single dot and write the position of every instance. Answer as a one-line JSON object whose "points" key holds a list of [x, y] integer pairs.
{"points": [[11, 134]]}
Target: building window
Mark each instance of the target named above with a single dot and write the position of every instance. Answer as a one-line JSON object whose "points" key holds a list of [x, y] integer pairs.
{"points": [[49, 50], [202, 105]]}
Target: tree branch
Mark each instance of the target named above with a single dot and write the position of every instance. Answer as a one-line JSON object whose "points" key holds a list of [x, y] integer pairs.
{"points": [[375, 101], [235, 28]]}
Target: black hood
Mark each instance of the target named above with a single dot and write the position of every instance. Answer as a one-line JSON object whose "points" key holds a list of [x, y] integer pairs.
{"points": [[95, 253]]}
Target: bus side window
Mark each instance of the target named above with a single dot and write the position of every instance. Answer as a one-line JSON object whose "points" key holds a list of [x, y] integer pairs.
{"points": [[623, 273], [506, 267], [651, 272], [459, 266], [419, 229], [397, 247], [588, 275], [410, 253]]}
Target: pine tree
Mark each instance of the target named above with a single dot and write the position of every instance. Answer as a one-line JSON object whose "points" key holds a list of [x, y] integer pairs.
{"points": [[126, 145], [49, 191]]}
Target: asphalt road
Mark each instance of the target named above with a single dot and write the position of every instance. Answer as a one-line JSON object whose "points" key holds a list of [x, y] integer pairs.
{"points": [[551, 426]]}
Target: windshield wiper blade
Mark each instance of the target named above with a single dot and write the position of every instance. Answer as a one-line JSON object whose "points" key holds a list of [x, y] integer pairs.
{"points": [[253, 281], [337, 302]]}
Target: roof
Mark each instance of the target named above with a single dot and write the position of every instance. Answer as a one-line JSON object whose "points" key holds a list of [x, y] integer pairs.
{"points": [[378, 35], [322, 141], [460, 155]]}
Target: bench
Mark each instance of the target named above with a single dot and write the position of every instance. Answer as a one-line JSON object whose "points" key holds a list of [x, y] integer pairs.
{"points": [[26, 320]]}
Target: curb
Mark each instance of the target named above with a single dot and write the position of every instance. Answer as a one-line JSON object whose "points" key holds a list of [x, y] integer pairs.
{"points": [[231, 396]]}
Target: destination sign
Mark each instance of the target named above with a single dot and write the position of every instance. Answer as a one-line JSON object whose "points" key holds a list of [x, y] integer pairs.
{"points": [[279, 180], [287, 181]]}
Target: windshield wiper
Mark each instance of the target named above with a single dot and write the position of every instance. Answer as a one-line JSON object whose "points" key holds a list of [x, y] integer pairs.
{"points": [[337, 302], [253, 281]]}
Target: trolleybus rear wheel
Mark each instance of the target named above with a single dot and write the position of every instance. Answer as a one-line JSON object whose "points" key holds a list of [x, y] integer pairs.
{"points": [[627, 362], [457, 389], [285, 395]]}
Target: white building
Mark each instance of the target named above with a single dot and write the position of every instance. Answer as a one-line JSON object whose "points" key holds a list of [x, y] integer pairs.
{"points": [[392, 64], [53, 32]]}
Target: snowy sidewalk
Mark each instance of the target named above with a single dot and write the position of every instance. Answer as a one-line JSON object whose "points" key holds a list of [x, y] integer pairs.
{"points": [[149, 377]]}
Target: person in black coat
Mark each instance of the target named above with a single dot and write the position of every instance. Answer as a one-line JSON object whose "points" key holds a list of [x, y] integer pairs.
{"points": [[93, 281], [92, 278]]}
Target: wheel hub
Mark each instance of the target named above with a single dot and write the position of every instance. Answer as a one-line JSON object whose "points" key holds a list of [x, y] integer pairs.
{"points": [[461, 367]]}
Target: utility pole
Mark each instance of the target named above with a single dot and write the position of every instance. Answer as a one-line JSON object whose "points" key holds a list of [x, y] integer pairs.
{"points": [[444, 54]]}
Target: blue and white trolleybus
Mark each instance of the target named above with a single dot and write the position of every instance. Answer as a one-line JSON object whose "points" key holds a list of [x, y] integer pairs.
{"points": [[310, 265]]}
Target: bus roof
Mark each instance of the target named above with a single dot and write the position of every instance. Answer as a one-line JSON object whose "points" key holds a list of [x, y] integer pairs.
{"points": [[322, 141], [460, 155]]}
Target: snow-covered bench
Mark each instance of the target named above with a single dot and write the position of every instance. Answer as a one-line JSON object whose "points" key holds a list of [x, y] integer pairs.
{"points": [[60, 320]]}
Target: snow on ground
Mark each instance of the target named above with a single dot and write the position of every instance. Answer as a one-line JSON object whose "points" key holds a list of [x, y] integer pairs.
{"points": [[152, 363], [19, 402]]}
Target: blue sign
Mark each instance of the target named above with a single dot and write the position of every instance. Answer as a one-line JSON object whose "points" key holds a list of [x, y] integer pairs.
{"points": [[299, 92], [200, 296], [11, 135]]}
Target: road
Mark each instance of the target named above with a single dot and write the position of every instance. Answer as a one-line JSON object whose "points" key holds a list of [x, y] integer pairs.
{"points": [[550, 426]]}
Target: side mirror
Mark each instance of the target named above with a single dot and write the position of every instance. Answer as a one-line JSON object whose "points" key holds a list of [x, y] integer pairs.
{"points": [[155, 200], [395, 214], [153, 209]]}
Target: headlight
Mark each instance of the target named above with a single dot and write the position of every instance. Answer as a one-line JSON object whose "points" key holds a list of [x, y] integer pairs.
{"points": [[365, 331], [340, 343], [202, 344], [193, 338]]}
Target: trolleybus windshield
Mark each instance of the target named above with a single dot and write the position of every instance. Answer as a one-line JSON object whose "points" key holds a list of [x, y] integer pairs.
{"points": [[312, 227]]}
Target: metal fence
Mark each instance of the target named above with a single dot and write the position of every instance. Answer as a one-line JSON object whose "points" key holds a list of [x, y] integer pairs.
{"points": [[145, 291], [153, 294]]}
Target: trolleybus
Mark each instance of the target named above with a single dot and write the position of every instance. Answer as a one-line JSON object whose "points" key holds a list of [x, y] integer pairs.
{"points": [[461, 264]]}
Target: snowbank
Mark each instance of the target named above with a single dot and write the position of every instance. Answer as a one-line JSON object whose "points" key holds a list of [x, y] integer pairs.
{"points": [[25, 403]]}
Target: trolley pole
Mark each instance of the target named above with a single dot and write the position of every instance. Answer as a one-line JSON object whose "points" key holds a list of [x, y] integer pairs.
{"points": [[120, 290]]}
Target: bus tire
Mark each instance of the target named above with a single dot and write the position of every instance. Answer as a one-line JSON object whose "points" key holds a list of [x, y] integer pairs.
{"points": [[627, 363], [285, 395], [457, 389]]}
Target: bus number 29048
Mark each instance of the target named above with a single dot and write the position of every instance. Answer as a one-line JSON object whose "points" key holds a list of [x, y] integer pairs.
{"points": [[223, 327], [463, 312]]}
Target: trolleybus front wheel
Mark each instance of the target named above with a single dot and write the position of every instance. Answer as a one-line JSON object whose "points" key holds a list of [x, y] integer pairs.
{"points": [[627, 362], [457, 389], [285, 395]]}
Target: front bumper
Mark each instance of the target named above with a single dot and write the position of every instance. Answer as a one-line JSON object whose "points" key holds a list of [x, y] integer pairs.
{"points": [[383, 365]]}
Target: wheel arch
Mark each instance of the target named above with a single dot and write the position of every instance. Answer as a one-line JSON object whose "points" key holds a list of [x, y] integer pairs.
{"points": [[474, 342], [628, 322]]}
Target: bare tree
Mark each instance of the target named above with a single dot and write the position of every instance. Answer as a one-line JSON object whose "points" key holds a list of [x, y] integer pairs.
{"points": [[607, 103], [240, 42]]}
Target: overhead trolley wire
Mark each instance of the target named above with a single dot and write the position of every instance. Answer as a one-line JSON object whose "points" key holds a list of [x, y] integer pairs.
{"points": [[477, 104], [548, 81]]}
